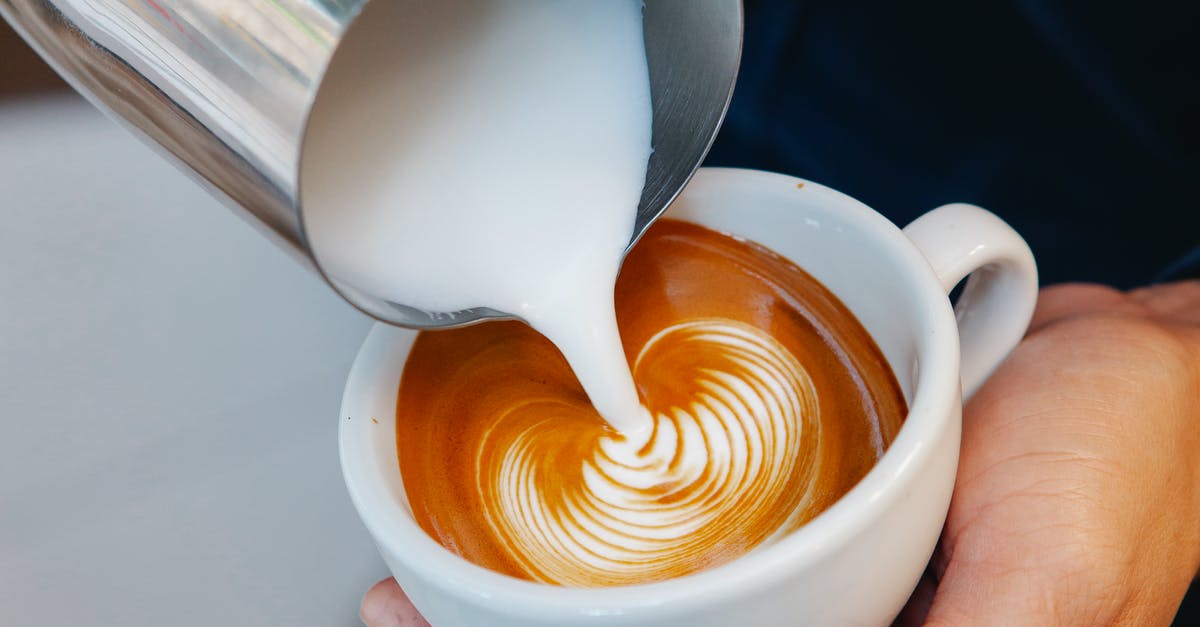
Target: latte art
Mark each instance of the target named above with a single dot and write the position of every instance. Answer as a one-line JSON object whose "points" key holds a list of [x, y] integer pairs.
{"points": [[766, 398], [740, 459]]}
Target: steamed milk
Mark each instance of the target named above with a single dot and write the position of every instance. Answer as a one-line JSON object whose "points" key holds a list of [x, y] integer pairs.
{"points": [[489, 154]]}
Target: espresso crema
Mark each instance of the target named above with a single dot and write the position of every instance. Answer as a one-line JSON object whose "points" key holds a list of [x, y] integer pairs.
{"points": [[767, 399]]}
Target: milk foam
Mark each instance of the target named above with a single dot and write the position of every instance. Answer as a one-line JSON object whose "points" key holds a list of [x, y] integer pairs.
{"points": [[751, 436], [465, 153]]}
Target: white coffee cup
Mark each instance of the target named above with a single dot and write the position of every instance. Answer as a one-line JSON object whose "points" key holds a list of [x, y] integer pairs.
{"points": [[854, 564]]}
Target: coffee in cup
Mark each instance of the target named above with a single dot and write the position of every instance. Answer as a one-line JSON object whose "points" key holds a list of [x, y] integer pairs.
{"points": [[769, 402]]}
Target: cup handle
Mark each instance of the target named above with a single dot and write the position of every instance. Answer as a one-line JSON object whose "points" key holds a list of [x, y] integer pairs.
{"points": [[998, 300]]}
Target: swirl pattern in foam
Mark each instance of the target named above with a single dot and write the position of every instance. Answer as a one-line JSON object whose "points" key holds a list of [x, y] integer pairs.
{"points": [[729, 460], [768, 402]]}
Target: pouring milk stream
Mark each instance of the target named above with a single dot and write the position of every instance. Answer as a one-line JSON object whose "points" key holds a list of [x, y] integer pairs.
{"points": [[498, 164]]}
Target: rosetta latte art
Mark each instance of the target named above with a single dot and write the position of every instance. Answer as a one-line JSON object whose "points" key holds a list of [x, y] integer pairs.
{"points": [[768, 402], [741, 456]]}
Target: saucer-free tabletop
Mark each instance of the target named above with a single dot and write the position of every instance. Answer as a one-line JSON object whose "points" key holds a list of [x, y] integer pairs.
{"points": [[169, 383]]}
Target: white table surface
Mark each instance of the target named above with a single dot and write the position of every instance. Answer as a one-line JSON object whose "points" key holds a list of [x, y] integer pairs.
{"points": [[169, 387]]}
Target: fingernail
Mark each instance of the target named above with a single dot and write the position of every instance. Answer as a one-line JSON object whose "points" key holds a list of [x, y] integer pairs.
{"points": [[382, 618]]}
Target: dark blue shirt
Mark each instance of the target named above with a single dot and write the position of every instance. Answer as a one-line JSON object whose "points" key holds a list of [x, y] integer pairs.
{"points": [[1074, 121]]}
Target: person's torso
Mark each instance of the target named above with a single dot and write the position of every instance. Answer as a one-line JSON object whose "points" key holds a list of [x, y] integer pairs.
{"points": [[1073, 123]]}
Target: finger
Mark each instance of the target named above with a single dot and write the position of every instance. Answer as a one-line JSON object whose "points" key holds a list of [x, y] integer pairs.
{"points": [[1068, 300], [386, 605], [1179, 301]]}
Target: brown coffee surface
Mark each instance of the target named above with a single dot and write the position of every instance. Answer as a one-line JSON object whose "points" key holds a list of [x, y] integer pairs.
{"points": [[770, 401]]}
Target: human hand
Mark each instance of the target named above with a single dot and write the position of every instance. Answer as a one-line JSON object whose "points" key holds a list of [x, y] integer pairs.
{"points": [[1079, 482], [1078, 487]]}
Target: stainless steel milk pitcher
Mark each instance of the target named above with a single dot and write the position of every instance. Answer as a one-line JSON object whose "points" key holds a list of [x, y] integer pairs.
{"points": [[225, 87]]}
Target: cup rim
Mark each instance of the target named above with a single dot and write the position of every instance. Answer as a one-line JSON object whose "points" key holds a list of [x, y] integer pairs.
{"points": [[934, 393]]}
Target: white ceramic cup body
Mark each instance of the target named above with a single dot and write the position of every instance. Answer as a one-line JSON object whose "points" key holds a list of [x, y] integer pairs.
{"points": [[854, 564]]}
